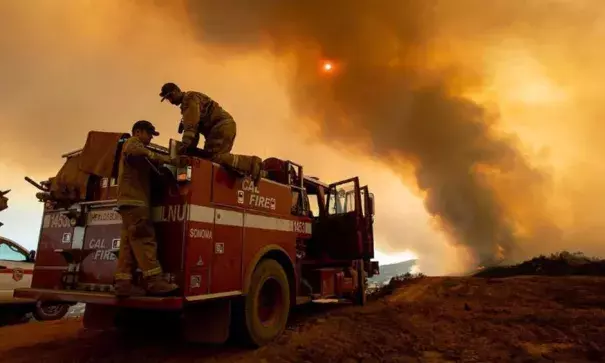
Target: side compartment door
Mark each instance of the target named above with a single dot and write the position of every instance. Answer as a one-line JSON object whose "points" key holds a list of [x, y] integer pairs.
{"points": [[100, 245], [342, 229], [226, 270], [56, 235]]}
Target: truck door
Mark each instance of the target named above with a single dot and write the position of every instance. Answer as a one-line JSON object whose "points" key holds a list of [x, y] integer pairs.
{"points": [[342, 229], [368, 219]]}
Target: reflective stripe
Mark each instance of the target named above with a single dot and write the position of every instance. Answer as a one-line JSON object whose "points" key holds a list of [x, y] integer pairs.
{"points": [[197, 213], [229, 218], [122, 276], [204, 214], [224, 217], [213, 296], [152, 272], [268, 223]]}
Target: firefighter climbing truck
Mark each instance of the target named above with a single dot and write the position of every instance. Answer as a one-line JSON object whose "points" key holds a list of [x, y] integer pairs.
{"points": [[243, 254]]}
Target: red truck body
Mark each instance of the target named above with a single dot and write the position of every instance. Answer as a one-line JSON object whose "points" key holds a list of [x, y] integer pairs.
{"points": [[214, 227]]}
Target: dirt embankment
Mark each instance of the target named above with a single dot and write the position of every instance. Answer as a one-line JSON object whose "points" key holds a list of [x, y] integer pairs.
{"points": [[521, 319]]}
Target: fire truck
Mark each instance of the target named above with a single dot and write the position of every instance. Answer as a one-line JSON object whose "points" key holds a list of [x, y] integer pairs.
{"points": [[242, 253]]}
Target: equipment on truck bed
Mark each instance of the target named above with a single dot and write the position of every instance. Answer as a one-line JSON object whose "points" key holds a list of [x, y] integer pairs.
{"points": [[244, 253]]}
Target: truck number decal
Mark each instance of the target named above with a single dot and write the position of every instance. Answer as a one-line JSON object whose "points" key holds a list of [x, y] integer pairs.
{"points": [[56, 220], [299, 227], [200, 233], [173, 213]]}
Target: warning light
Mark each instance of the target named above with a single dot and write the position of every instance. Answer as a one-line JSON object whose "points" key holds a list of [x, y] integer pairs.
{"points": [[327, 66]]}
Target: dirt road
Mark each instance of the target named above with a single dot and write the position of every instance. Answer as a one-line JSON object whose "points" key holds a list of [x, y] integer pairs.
{"points": [[522, 319]]}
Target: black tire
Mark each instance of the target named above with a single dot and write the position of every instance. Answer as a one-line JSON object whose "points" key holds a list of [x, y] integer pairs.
{"points": [[262, 315], [48, 312]]}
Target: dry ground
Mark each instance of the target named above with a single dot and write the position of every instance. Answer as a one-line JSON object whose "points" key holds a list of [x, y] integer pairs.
{"points": [[518, 319]]}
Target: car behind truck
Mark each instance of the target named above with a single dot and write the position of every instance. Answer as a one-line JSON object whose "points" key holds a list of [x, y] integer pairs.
{"points": [[16, 268], [243, 254]]}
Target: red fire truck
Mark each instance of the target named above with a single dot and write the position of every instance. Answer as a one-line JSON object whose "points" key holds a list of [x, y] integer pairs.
{"points": [[243, 254]]}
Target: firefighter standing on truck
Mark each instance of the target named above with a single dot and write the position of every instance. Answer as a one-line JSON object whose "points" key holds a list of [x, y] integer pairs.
{"points": [[203, 115], [138, 241]]}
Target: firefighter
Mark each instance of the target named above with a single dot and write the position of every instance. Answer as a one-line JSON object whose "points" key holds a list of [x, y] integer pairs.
{"points": [[138, 241], [203, 115]]}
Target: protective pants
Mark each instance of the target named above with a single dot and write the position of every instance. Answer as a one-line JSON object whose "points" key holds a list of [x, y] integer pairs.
{"points": [[138, 246], [218, 145]]}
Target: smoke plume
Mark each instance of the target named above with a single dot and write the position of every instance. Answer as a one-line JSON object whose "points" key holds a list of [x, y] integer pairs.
{"points": [[398, 88], [488, 111]]}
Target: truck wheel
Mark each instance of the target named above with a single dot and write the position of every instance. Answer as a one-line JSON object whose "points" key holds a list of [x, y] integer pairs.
{"points": [[50, 312], [265, 309]]}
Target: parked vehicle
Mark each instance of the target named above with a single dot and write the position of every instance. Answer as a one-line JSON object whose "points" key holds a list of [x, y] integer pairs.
{"points": [[16, 271]]}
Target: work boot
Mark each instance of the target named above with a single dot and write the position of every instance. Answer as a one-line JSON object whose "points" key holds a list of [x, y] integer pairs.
{"points": [[158, 286], [125, 288]]}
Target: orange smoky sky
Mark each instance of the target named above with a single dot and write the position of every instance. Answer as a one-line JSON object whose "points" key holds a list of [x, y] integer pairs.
{"points": [[477, 127]]}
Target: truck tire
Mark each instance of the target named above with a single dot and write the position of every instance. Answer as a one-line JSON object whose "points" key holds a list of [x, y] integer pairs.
{"points": [[263, 313], [44, 312]]}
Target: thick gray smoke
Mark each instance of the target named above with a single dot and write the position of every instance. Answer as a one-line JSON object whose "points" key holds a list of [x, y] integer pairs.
{"points": [[389, 91]]}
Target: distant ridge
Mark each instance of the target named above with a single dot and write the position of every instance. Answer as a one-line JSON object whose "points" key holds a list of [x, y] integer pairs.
{"points": [[389, 271]]}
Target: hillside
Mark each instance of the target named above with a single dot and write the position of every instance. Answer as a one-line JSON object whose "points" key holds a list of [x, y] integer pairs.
{"points": [[412, 319], [557, 264], [389, 271]]}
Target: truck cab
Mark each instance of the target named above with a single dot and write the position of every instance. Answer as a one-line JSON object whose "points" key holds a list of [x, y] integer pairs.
{"points": [[242, 253]]}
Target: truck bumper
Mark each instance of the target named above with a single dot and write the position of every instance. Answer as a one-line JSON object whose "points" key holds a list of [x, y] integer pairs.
{"points": [[74, 296]]}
